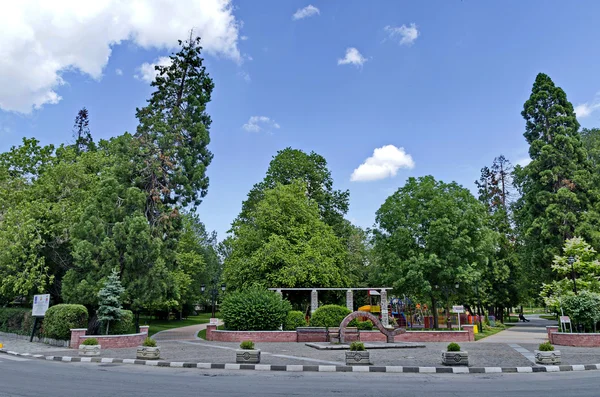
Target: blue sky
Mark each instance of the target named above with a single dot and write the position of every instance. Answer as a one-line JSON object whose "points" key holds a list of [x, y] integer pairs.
{"points": [[451, 95]]}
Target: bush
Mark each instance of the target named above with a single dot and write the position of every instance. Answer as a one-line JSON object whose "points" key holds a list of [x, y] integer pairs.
{"points": [[16, 321], [122, 326], [294, 320], [90, 342], [149, 342], [329, 316], [583, 308], [61, 318], [361, 325], [453, 347], [254, 309], [247, 345], [357, 347], [546, 347]]}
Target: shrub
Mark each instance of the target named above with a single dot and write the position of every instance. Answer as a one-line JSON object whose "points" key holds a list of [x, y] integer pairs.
{"points": [[149, 342], [546, 347], [365, 325], [329, 316], [124, 325], [247, 345], [583, 308], [357, 347], [294, 320], [254, 309], [61, 318], [16, 320], [90, 342], [453, 347]]}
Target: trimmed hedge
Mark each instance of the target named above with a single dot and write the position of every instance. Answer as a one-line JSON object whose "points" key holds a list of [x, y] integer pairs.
{"points": [[122, 326], [16, 321], [361, 325], [254, 309], [294, 320], [329, 316], [61, 318]]}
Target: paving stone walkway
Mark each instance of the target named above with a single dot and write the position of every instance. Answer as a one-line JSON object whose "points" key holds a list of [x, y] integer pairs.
{"points": [[532, 332], [181, 334]]}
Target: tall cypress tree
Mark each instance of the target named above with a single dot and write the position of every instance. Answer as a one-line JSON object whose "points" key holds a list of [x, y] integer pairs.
{"points": [[555, 184], [81, 132]]}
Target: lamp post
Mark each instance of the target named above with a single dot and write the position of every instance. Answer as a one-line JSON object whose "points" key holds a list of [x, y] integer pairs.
{"points": [[214, 291], [571, 261], [478, 305]]}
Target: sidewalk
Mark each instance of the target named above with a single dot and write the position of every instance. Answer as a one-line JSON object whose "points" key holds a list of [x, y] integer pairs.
{"points": [[533, 332], [180, 334]]}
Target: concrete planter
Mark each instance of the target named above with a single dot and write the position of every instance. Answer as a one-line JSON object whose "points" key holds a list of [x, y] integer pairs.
{"points": [[455, 358], [89, 350], [148, 353], [357, 358], [547, 358], [247, 356]]}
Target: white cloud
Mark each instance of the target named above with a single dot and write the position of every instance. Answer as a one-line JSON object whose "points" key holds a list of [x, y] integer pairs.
{"points": [[384, 163], [407, 34], [119, 72], [524, 161], [259, 123], [41, 39], [306, 12], [243, 38], [245, 76], [147, 72], [352, 57], [585, 109]]}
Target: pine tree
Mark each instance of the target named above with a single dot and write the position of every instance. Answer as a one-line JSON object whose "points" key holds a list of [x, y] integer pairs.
{"points": [[173, 135], [555, 184], [109, 299], [81, 132]]}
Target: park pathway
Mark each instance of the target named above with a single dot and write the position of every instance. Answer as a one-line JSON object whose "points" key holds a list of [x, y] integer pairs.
{"points": [[531, 332], [181, 334]]}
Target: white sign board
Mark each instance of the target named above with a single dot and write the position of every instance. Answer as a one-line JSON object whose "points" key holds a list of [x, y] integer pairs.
{"points": [[40, 305], [214, 321], [458, 309], [565, 319]]}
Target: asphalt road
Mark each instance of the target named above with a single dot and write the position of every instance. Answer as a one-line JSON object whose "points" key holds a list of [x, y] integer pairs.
{"points": [[40, 378]]}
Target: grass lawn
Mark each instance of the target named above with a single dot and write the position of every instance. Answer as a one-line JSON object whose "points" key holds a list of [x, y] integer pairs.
{"points": [[548, 317], [161, 325], [494, 330], [202, 333]]}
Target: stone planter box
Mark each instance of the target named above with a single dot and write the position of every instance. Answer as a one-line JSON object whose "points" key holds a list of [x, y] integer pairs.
{"points": [[148, 353], [89, 350], [547, 358], [357, 358], [247, 356], [455, 358]]}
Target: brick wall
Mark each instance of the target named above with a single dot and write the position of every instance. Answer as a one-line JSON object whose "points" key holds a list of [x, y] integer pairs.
{"points": [[256, 336], [78, 335], [311, 336], [577, 340]]}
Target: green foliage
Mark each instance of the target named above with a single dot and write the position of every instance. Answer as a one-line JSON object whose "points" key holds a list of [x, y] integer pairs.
{"points": [[357, 347], [362, 325], [149, 342], [90, 342], [430, 233], [329, 316], [293, 320], [124, 325], [109, 299], [286, 245], [583, 308], [556, 185], [247, 345], [546, 347], [60, 319], [453, 347], [16, 320], [254, 309]]}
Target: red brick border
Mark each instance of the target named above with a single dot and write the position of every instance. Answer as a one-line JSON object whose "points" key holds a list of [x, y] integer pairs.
{"points": [[78, 335], [568, 339]]}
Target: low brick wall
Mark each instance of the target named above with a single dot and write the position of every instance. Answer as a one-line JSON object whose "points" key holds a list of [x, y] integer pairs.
{"points": [[568, 339], [78, 335], [307, 335], [256, 336]]}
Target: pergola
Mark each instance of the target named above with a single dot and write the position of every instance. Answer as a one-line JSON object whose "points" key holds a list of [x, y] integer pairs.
{"points": [[314, 298]]}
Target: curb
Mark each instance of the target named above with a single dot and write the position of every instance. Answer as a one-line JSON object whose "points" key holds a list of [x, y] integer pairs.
{"points": [[315, 368]]}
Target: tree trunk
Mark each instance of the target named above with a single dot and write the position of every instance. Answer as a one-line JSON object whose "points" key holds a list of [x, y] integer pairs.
{"points": [[434, 311], [107, 324]]}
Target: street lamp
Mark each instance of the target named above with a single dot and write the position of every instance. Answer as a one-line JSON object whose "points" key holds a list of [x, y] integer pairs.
{"points": [[571, 261], [214, 291]]}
